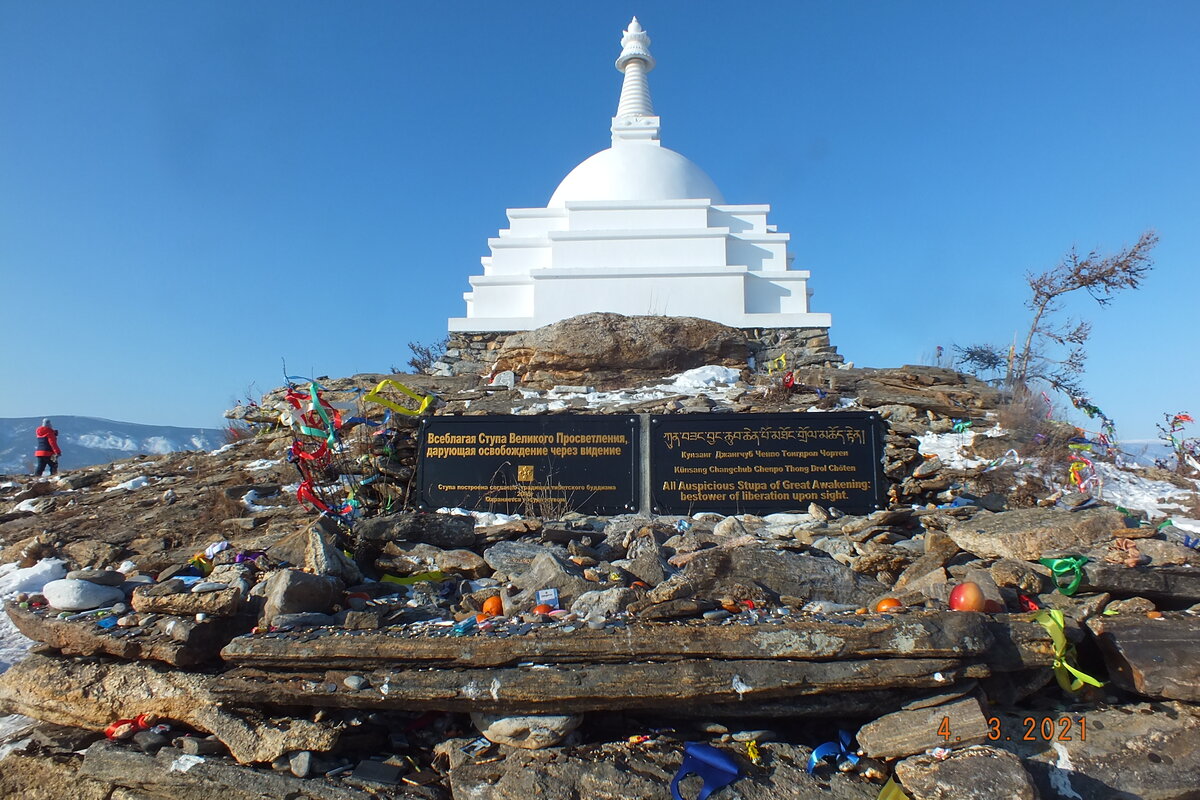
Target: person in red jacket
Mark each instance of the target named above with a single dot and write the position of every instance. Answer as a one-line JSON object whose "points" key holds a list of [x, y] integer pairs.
{"points": [[48, 450]]}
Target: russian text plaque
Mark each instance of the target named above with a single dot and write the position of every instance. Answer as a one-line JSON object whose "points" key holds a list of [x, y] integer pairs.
{"points": [[540, 466]]}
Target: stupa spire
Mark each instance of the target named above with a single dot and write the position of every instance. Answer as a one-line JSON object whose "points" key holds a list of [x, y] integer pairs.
{"points": [[635, 61], [635, 119]]}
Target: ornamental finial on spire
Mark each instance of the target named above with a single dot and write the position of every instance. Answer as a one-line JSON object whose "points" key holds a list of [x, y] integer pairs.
{"points": [[635, 43], [635, 61]]}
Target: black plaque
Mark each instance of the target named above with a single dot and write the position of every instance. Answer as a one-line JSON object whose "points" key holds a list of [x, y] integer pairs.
{"points": [[760, 463], [539, 465]]}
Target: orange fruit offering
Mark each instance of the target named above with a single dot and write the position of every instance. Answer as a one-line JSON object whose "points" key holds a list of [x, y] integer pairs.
{"points": [[493, 606]]}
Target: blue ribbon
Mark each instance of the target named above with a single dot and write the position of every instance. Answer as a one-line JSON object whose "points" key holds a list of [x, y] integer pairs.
{"points": [[716, 768], [839, 749]]}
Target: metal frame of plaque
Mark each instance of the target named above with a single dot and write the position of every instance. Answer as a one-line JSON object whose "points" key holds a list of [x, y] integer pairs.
{"points": [[533, 465], [760, 463]]}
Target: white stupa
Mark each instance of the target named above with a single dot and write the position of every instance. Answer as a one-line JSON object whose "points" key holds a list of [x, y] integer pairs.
{"points": [[638, 229]]}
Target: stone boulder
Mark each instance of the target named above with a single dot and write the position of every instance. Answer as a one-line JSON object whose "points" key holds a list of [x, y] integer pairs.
{"points": [[720, 572], [914, 730], [606, 602], [68, 594], [1028, 534], [1152, 657], [976, 773], [602, 347], [530, 732], [513, 558], [548, 571], [223, 602], [290, 591], [465, 563], [447, 531]]}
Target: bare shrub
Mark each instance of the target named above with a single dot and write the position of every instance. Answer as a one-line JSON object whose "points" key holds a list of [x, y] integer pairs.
{"points": [[423, 355]]}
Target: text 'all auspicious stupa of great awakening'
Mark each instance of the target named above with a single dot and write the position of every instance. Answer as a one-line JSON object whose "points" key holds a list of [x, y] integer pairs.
{"points": [[638, 229]]}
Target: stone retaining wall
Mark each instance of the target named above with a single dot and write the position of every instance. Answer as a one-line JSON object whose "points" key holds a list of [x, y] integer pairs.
{"points": [[474, 353]]}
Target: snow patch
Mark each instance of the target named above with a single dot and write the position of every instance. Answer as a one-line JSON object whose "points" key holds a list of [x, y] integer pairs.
{"points": [[14, 579], [107, 441], [948, 447], [704, 377], [482, 518], [31, 505], [1134, 492], [249, 501], [1060, 772], [131, 484]]}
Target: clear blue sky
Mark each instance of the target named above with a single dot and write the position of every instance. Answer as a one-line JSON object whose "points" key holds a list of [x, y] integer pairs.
{"points": [[191, 192]]}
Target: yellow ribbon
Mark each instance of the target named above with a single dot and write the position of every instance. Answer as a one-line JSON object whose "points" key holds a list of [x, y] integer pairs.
{"points": [[892, 791], [1069, 678], [374, 396], [753, 754], [432, 577], [777, 363]]}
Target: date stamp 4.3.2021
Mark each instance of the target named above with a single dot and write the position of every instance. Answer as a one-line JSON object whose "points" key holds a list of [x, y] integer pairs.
{"points": [[1031, 729]]}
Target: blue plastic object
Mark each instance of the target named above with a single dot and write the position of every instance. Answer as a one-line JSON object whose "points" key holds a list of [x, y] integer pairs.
{"points": [[716, 768], [839, 749]]}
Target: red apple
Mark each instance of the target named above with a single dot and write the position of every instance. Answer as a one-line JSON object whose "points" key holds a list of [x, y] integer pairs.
{"points": [[967, 596]]}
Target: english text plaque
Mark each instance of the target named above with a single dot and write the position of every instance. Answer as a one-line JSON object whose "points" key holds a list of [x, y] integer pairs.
{"points": [[762, 463]]}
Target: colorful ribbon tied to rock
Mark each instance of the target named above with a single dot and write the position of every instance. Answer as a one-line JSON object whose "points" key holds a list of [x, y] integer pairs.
{"points": [[1067, 571], [1070, 678], [376, 396]]}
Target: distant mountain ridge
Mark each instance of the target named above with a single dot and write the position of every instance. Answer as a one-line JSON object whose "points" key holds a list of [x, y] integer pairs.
{"points": [[90, 440]]}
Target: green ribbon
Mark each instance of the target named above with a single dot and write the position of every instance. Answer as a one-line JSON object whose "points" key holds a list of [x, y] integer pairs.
{"points": [[329, 434], [1069, 677], [1069, 567]]}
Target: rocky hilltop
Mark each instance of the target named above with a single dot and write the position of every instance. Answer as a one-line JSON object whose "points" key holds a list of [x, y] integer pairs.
{"points": [[994, 632]]}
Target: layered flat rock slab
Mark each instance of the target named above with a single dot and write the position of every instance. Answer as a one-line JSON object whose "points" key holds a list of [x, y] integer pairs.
{"points": [[915, 730], [1014, 644], [197, 643], [976, 773], [218, 603], [1173, 583], [1028, 534], [172, 774], [1143, 750], [89, 694], [577, 688], [1152, 657]]}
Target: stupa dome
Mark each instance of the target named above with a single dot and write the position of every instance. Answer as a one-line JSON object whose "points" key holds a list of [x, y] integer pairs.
{"points": [[636, 172]]}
